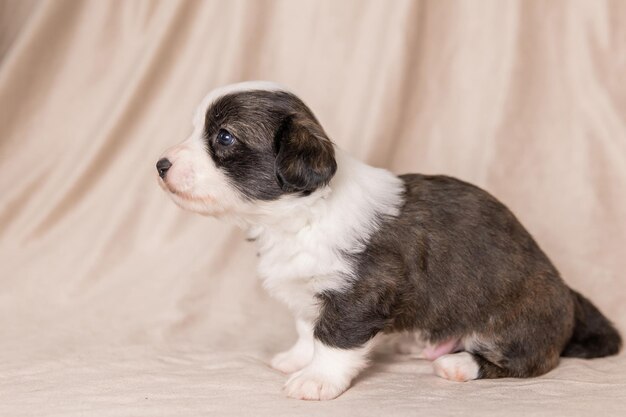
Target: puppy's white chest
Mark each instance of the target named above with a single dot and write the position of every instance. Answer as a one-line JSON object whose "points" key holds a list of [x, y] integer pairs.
{"points": [[296, 267]]}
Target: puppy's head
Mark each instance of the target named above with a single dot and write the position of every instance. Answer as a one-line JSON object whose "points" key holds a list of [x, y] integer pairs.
{"points": [[251, 142]]}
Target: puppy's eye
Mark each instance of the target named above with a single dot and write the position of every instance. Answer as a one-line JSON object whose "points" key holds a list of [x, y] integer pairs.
{"points": [[224, 138]]}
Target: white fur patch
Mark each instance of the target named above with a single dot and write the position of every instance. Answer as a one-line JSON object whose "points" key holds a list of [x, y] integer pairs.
{"points": [[458, 367], [302, 241], [328, 375]]}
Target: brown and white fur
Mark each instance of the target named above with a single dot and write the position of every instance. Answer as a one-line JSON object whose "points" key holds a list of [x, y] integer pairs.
{"points": [[356, 251]]}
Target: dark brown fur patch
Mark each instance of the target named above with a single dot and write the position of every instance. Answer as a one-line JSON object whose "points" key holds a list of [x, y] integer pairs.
{"points": [[280, 147], [455, 263], [305, 157]]}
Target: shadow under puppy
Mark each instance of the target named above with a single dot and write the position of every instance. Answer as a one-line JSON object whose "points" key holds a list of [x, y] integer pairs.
{"points": [[356, 251]]}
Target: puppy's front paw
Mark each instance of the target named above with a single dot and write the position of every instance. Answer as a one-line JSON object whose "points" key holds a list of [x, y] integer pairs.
{"points": [[289, 362], [309, 385]]}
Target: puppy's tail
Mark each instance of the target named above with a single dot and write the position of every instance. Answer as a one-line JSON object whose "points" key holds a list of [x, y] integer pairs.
{"points": [[594, 335]]}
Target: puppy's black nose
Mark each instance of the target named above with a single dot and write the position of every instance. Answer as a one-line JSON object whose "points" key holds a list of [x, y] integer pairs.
{"points": [[162, 166]]}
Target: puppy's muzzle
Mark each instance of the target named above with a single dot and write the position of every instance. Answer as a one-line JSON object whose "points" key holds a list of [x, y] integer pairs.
{"points": [[162, 166]]}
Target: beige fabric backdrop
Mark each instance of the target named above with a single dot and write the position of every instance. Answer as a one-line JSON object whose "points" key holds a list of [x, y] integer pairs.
{"points": [[115, 302]]}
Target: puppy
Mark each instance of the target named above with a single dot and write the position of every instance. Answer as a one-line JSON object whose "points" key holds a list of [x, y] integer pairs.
{"points": [[356, 251]]}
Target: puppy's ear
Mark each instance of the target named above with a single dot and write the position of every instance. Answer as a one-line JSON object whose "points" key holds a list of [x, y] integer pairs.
{"points": [[305, 157]]}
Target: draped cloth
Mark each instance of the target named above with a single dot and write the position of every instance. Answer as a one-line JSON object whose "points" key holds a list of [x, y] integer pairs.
{"points": [[115, 302]]}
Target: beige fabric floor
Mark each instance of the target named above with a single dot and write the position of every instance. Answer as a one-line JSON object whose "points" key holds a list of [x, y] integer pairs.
{"points": [[113, 302]]}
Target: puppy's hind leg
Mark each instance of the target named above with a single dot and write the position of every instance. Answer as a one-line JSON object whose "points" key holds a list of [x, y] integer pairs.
{"points": [[459, 367], [514, 361]]}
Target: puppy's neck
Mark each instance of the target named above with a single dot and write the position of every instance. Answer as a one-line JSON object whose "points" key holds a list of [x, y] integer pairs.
{"points": [[347, 211]]}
